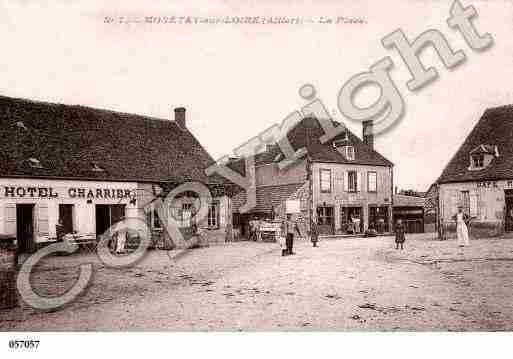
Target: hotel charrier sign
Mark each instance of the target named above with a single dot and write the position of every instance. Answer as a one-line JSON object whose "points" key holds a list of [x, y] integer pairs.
{"points": [[71, 192]]}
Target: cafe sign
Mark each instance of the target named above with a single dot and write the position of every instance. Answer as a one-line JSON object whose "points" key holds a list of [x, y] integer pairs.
{"points": [[72, 192]]}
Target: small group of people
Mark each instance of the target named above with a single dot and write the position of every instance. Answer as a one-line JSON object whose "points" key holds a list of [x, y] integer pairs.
{"points": [[462, 223], [354, 224], [290, 228], [254, 230]]}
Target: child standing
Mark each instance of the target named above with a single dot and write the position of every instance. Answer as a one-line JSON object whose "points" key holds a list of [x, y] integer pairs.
{"points": [[399, 234], [314, 233]]}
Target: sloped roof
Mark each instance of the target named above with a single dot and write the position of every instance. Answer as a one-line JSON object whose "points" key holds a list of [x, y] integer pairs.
{"points": [[267, 197], [307, 134], [68, 139], [401, 200], [484, 149], [495, 128]]}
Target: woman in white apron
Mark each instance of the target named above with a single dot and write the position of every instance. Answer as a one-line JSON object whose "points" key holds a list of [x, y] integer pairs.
{"points": [[461, 228]]}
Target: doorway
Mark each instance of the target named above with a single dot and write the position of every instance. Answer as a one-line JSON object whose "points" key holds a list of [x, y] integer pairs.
{"points": [[66, 216], [25, 227], [351, 219], [107, 215], [379, 218], [325, 220], [508, 222]]}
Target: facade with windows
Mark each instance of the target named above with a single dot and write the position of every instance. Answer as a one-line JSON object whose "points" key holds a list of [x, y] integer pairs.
{"points": [[343, 184], [350, 198], [31, 209], [78, 170], [479, 178]]}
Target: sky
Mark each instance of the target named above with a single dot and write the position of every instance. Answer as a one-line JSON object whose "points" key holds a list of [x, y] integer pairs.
{"points": [[237, 80]]}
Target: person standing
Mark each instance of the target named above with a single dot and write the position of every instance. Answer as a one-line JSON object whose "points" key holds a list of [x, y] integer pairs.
{"points": [[461, 228], [356, 223], [289, 229], [399, 234], [314, 233], [59, 230]]}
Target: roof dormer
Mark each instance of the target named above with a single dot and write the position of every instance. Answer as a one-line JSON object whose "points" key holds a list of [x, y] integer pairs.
{"points": [[482, 156], [34, 163]]}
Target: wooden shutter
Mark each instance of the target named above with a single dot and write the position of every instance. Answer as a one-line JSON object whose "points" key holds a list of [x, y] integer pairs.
{"points": [[346, 181], [358, 181], [42, 219], [454, 203], [10, 219], [474, 209]]}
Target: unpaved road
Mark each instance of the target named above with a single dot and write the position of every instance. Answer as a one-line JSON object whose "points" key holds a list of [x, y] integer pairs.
{"points": [[345, 284]]}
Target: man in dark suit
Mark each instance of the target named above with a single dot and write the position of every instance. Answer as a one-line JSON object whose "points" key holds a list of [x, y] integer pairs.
{"points": [[289, 228]]}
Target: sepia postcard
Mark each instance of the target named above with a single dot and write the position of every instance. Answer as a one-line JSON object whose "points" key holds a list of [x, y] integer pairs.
{"points": [[268, 167]]}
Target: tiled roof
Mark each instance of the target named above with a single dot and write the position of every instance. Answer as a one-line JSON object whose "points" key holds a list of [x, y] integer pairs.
{"points": [[267, 197], [484, 149], [306, 134], [70, 140], [401, 200], [495, 128]]}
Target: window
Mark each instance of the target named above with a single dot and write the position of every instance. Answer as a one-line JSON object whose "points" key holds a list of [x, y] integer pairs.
{"points": [[325, 216], [96, 167], [372, 185], [186, 214], [342, 141], [478, 160], [349, 152], [352, 181], [107, 215], [66, 217], [34, 163], [325, 180], [213, 215], [153, 219]]}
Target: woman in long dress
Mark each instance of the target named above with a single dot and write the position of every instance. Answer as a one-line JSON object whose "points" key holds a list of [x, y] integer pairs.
{"points": [[461, 228]]}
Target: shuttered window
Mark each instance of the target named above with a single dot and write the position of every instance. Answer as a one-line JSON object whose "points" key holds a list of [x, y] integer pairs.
{"points": [[325, 180], [213, 215], [10, 219], [352, 179], [42, 219], [372, 182]]}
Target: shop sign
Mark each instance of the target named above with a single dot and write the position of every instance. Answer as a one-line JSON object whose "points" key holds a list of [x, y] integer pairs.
{"points": [[487, 184], [72, 192]]}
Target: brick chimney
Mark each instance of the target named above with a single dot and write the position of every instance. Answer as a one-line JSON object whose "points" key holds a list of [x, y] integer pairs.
{"points": [[180, 117], [368, 135]]}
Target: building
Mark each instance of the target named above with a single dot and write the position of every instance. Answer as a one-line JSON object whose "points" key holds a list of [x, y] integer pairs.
{"points": [[336, 183], [479, 177], [90, 168], [410, 210]]}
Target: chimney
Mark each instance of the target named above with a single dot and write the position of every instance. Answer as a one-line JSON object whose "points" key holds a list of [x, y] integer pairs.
{"points": [[368, 135], [180, 117]]}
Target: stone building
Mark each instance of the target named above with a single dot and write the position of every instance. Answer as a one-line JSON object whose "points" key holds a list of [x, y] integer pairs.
{"points": [[479, 177], [90, 168], [335, 183]]}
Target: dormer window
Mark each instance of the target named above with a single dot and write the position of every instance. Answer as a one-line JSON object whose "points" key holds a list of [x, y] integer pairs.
{"points": [[96, 167], [348, 152], [34, 163], [21, 125], [478, 160], [341, 141], [482, 156]]}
